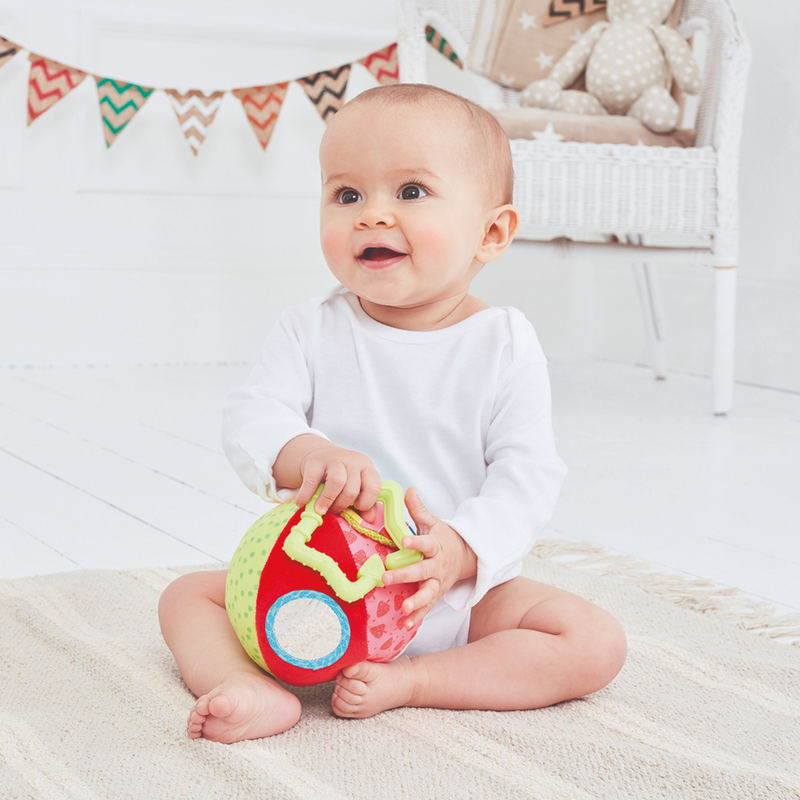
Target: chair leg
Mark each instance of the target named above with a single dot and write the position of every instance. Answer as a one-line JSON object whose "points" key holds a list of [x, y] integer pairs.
{"points": [[724, 338], [650, 299]]}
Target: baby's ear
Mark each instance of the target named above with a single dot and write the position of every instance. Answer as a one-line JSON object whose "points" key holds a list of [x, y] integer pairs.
{"points": [[501, 227]]}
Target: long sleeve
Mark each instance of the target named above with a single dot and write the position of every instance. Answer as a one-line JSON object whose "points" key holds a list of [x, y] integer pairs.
{"points": [[271, 408], [523, 479]]}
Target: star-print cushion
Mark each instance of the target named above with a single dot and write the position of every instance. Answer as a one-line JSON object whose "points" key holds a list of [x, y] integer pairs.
{"points": [[515, 42], [557, 126]]}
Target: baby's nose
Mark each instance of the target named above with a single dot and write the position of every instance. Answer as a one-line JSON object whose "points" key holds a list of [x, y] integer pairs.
{"points": [[373, 215]]}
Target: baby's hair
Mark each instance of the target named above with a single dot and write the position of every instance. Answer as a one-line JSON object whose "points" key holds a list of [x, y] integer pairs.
{"points": [[487, 139]]}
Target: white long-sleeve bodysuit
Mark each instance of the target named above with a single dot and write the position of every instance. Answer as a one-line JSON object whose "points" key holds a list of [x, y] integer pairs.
{"points": [[462, 414]]}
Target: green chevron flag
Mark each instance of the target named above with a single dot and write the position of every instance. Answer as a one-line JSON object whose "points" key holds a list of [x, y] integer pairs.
{"points": [[119, 102]]}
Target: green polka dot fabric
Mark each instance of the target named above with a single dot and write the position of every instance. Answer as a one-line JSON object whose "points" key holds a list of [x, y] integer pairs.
{"points": [[244, 574]]}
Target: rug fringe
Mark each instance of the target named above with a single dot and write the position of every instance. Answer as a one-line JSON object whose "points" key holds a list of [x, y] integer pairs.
{"points": [[728, 604]]}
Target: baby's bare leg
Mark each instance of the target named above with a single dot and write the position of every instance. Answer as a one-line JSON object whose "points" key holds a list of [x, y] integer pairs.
{"points": [[531, 645], [236, 699]]}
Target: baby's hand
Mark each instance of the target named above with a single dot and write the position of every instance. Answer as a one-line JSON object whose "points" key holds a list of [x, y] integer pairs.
{"points": [[448, 558], [350, 479]]}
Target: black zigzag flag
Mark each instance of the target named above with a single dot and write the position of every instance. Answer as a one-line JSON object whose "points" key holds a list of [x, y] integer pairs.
{"points": [[7, 50], [326, 89]]}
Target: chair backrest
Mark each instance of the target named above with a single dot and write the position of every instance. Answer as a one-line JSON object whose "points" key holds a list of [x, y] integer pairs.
{"points": [[726, 60]]}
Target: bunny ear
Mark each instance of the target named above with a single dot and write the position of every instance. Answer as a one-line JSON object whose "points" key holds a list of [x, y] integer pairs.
{"points": [[562, 10]]}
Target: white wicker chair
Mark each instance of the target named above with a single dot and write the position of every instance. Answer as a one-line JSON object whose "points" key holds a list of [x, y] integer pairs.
{"points": [[578, 190]]}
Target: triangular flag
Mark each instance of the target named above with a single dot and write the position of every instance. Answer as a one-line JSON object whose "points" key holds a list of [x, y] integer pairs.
{"points": [[195, 112], [383, 64], [562, 10], [326, 90], [48, 82], [438, 42], [262, 104], [7, 50], [119, 103]]}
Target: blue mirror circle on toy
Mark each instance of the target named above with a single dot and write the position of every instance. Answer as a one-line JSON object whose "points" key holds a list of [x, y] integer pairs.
{"points": [[285, 628]]}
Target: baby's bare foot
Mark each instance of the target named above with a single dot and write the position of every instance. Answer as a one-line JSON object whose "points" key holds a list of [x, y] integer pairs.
{"points": [[245, 706], [368, 688]]}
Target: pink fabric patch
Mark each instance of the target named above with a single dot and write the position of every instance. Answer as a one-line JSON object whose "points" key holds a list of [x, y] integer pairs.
{"points": [[386, 635]]}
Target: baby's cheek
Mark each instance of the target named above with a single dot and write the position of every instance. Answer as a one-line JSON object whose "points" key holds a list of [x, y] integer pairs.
{"points": [[333, 244], [436, 237]]}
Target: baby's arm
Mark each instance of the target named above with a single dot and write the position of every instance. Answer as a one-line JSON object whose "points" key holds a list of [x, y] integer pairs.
{"points": [[308, 460]]}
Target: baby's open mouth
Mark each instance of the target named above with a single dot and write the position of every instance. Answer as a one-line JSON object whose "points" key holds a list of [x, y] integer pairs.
{"points": [[380, 254]]}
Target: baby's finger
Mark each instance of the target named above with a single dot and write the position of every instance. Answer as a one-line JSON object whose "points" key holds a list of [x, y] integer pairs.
{"points": [[423, 598], [429, 546], [347, 495], [335, 480], [370, 488], [312, 478], [415, 617], [423, 519]]}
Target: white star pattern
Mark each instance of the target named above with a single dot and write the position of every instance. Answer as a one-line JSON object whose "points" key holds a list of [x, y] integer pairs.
{"points": [[547, 135], [544, 60], [507, 80], [527, 21], [576, 37]]}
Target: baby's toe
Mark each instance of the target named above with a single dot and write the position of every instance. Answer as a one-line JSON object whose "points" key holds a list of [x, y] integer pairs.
{"points": [[361, 672], [342, 707], [345, 695]]}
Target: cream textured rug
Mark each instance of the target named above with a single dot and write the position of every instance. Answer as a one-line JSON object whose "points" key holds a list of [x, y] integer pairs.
{"points": [[93, 708]]}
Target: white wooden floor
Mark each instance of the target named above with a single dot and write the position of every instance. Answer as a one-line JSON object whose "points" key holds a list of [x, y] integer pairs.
{"points": [[115, 467]]}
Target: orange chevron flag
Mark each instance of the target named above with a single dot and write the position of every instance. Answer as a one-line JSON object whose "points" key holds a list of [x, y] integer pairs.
{"points": [[48, 82], [7, 50], [383, 65], [562, 10], [262, 104]]}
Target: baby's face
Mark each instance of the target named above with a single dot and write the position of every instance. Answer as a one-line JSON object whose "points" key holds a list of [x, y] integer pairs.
{"points": [[402, 216]]}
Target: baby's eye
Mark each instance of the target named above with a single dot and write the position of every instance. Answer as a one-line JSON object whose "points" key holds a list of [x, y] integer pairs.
{"points": [[412, 192], [347, 196]]}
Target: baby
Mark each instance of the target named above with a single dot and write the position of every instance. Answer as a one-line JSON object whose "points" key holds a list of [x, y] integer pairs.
{"points": [[400, 373]]}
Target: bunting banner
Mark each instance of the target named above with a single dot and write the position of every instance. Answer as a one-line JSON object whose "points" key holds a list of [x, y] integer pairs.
{"points": [[562, 10], [262, 104], [7, 51], [441, 45], [48, 82], [326, 90], [195, 112], [383, 65], [119, 103]]}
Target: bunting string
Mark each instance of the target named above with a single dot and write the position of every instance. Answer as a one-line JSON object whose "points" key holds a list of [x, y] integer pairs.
{"points": [[119, 101]]}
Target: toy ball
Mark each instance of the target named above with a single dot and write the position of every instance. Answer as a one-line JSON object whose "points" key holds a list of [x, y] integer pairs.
{"points": [[304, 592]]}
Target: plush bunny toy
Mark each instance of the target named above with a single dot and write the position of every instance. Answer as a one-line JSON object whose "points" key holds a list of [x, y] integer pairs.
{"points": [[628, 61]]}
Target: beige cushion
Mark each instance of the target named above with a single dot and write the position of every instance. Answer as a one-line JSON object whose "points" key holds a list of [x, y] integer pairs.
{"points": [[522, 123]]}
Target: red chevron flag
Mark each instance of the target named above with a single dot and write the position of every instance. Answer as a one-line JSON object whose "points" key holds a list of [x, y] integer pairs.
{"points": [[383, 64], [262, 104], [48, 82], [7, 50]]}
